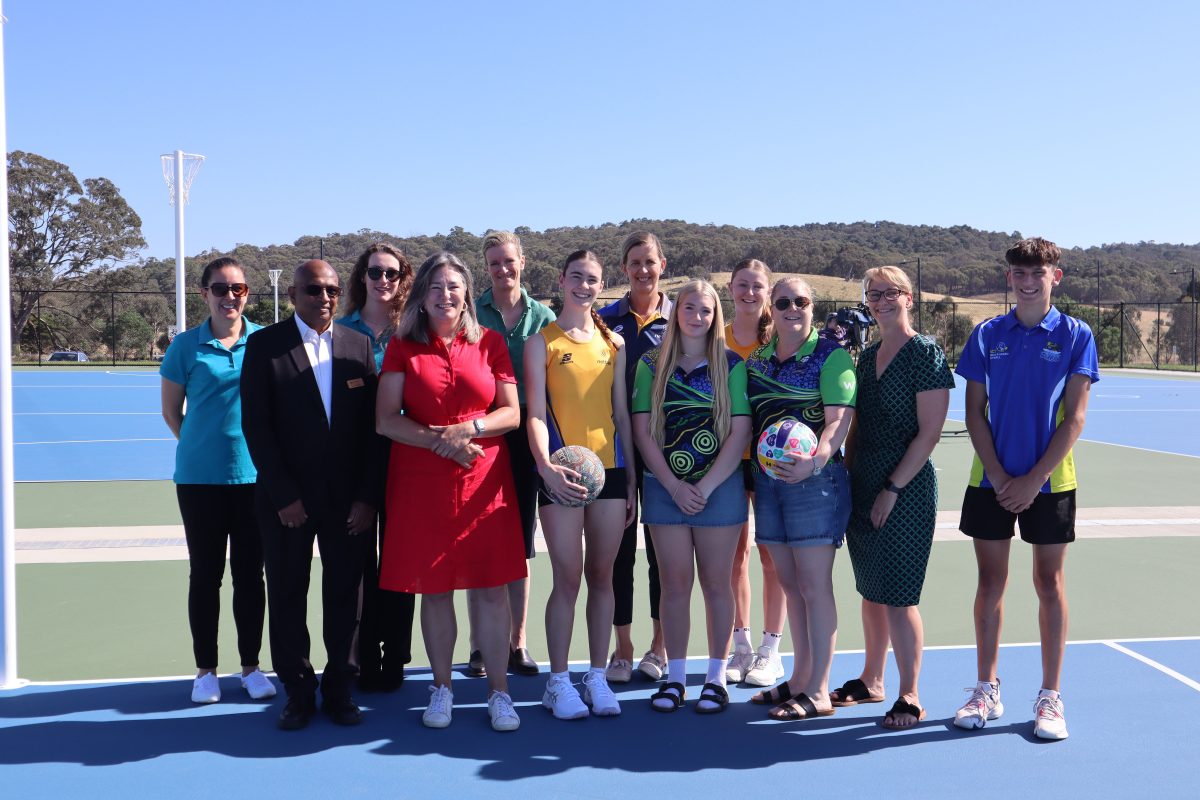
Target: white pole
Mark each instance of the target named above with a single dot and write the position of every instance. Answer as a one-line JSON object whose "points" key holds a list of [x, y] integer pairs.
{"points": [[180, 277], [274, 274], [8, 547]]}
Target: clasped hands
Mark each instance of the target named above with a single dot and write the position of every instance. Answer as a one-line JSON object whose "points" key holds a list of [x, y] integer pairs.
{"points": [[454, 442]]}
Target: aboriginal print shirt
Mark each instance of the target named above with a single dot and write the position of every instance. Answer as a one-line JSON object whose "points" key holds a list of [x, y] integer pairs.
{"points": [[820, 374], [690, 442]]}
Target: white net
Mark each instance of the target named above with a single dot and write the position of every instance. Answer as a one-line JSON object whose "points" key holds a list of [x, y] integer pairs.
{"points": [[191, 165]]}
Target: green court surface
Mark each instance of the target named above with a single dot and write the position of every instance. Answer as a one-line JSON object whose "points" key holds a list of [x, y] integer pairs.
{"points": [[129, 619]]}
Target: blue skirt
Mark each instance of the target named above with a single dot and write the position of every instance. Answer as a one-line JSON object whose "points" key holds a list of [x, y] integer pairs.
{"points": [[726, 506]]}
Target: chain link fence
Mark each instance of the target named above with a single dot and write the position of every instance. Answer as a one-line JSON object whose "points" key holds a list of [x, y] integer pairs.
{"points": [[129, 328]]}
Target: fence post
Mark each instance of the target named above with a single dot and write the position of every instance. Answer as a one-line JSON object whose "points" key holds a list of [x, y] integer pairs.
{"points": [[37, 329], [1158, 335], [1121, 339], [112, 320]]}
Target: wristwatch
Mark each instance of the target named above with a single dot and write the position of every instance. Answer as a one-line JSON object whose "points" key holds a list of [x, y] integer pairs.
{"points": [[891, 487], [816, 469], [479, 426]]}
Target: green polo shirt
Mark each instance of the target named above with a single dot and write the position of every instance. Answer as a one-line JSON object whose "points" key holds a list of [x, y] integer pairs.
{"points": [[535, 317]]}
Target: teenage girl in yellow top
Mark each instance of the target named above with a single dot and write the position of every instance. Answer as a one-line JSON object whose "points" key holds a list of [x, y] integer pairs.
{"points": [[750, 287], [575, 395]]}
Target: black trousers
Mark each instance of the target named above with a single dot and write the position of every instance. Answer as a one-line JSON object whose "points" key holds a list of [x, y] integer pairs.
{"points": [[624, 564], [385, 631], [214, 515], [287, 555]]}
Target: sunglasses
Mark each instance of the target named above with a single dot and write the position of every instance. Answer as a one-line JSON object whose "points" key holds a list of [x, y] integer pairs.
{"points": [[784, 303], [222, 289], [312, 290], [891, 293], [375, 273]]}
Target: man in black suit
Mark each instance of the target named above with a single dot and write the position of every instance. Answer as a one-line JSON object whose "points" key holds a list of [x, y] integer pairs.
{"points": [[308, 415]]}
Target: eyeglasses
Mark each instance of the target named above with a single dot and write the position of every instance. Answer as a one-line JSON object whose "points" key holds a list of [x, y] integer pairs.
{"points": [[375, 273], [890, 293], [784, 303], [313, 290], [222, 289]]}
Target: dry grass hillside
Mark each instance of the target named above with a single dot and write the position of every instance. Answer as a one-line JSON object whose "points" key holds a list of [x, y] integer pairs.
{"points": [[827, 287]]}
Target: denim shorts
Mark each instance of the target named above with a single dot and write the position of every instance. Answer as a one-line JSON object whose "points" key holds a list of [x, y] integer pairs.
{"points": [[726, 506], [814, 511]]}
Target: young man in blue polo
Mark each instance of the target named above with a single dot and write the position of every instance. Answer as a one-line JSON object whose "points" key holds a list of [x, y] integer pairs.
{"points": [[1028, 375]]}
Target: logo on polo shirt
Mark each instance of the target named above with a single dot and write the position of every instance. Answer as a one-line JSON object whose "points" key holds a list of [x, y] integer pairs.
{"points": [[566, 359], [617, 328], [999, 351], [1051, 352]]}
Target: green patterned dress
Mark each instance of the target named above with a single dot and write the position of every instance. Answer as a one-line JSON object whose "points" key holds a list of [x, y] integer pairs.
{"points": [[889, 564]]}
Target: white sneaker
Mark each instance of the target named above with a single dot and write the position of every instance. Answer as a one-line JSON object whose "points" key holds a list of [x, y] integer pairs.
{"points": [[767, 669], [563, 699], [503, 715], [258, 685], [597, 695], [739, 664], [206, 688], [1048, 719], [440, 710], [984, 704], [652, 666]]}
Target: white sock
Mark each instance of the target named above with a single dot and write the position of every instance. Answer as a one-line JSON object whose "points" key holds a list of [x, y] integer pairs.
{"points": [[716, 671], [596, 671], [770, 643], [677, 671], [564, 675], [741, 638]]}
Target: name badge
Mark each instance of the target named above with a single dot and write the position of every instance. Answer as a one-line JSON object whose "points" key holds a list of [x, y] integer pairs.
{"points": [[355, 383]]}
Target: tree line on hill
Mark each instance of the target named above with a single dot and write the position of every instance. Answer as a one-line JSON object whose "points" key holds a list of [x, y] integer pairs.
{"points": [[73, 245]]}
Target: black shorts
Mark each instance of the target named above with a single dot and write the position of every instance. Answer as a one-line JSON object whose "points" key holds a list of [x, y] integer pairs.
{"points": [[614, 487], [1050, 520], [748, 474]]}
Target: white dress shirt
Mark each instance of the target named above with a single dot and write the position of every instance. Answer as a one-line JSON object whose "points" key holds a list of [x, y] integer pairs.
{"points": [[319, 347]]}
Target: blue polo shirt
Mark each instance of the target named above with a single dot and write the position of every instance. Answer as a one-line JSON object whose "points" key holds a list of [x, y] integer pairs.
{"points": [[1025, 372], [211, 448], [354, 322], [641, 335]]}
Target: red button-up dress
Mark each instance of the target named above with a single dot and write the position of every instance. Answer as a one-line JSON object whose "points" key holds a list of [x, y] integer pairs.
{"points": [[450, 527]]}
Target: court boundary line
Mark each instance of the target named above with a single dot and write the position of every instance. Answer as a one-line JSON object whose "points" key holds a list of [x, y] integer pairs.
{"points": [[1112, 444], [1150, 662], [582, 663]]}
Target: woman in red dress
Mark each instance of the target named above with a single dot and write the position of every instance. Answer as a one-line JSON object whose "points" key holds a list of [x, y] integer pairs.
{"points": [[447, 396]]}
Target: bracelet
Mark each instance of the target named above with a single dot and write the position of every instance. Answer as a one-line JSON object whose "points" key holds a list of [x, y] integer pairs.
{"points": [[891, 487]]}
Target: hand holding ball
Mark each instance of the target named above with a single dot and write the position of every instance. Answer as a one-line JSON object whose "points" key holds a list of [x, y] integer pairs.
{"points": [[587, 465], [783, 439]]}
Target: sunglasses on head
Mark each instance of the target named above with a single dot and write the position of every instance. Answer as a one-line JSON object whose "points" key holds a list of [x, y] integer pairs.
{"points": [[784, 303], [313, 290], [222, 289], [375, 273]]}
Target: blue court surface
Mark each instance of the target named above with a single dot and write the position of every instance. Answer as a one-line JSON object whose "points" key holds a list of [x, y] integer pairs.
{"points": [[144, 739], [106, 425]]}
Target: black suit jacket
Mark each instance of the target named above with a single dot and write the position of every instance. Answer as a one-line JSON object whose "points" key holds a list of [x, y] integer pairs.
{"points": [[298, 454]]}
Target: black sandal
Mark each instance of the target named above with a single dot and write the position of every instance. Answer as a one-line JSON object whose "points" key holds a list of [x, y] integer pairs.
{"points": [[901, 706], [797, 708], [774, 696], [852, 693], [665, 693], [713, 693]]}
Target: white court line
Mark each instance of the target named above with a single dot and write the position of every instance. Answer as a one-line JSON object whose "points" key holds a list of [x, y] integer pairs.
{"points": [[1111, 444], [97, 441], [420, 669], [1164, 669]]}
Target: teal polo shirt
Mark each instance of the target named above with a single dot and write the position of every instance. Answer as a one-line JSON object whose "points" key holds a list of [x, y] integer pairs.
{"points": [[535, 317], [211, 447], [354, 322]]}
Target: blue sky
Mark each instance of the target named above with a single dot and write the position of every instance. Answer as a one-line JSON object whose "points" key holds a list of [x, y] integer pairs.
{"points": [[1076, 121]]}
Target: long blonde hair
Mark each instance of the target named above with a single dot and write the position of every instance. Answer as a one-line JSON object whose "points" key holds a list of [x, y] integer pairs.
{"points": [[718, 365]]}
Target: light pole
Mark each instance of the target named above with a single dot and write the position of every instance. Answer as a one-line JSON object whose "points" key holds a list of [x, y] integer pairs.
{"points": [[920, 316], [1195, 314], [274, 274]]}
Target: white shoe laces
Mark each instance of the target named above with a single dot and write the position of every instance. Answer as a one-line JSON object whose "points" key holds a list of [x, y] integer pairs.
{"points": [[501, 705], [439, 702]]}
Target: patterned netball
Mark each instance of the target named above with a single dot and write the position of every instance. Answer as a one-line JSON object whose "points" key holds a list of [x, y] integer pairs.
{"points": [[589, 467], [781, 440]]}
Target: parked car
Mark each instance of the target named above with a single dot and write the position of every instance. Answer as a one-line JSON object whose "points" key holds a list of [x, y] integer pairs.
{"points": [[68, 355]]}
